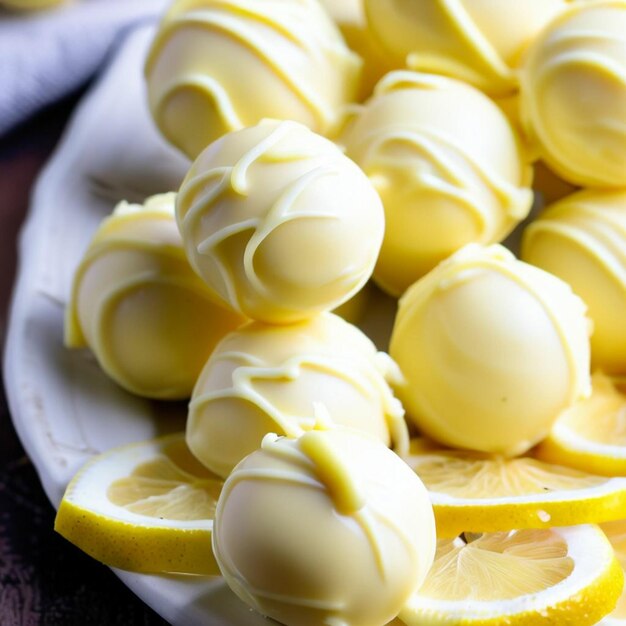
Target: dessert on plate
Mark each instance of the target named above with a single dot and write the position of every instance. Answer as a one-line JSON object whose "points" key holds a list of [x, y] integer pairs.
{"points": [[295, 476]]}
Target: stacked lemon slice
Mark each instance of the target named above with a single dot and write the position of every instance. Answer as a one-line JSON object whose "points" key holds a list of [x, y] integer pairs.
{"points": [[591, 435], [616, 533], [557, 567], [519, 578], [481, 493]]}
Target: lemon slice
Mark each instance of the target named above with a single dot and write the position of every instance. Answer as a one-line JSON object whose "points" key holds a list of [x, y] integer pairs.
{"points": [[144, 507], [591, 435], [616, 533], [480, 493], [519, 578]]}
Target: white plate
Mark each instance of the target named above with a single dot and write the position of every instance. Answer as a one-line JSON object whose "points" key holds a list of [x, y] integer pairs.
{"points": [[64, 409]]}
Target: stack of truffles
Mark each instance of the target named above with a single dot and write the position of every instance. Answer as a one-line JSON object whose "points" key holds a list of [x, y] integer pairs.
{"points": [[405, 156]]}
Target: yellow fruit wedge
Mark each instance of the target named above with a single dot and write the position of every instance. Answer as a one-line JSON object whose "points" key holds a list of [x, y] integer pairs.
{"points": [[481, 493], [144, 507], [591, 435], [543, 577], [616, 533]]}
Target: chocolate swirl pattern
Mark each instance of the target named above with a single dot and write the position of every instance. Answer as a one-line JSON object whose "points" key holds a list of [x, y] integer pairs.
{"points": [[219, 65], [442, 184], [332, 481], [278, 379], [279, 223]]}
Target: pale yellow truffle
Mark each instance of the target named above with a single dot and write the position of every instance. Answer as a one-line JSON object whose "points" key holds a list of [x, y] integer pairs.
{"points": [[582, 239], [279, 223], [282, 379], [331, 528], [448, 166], [220, 65], [492, 350], [138, 305], [573, 94], [477, 41]]}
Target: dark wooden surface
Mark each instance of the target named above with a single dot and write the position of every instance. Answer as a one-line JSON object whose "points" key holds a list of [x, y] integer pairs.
{"points": [[43, 578]]}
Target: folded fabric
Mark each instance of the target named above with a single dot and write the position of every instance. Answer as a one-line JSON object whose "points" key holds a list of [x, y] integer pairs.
{"points": [[48, 54]]}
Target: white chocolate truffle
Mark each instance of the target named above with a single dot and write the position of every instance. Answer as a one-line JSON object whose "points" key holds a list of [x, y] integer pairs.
{"points": [[278, 379], [582, 240], [136, 302], [477, 41], [279, 223], [331, 528], [492, 350], [448, 166], [220, 65], [573, 94]]}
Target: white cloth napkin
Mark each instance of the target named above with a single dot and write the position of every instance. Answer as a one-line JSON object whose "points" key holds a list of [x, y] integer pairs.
{"points": [[45, 55]]}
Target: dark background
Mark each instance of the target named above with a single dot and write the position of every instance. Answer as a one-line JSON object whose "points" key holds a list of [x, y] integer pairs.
{"points": [[43, 578]]}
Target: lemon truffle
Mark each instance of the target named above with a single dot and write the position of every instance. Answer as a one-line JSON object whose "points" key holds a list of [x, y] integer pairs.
{"points": [[582, 239], [138, 305], [278, 379], [477, 41], [220, 65], [331, 528], [279, 223], [573, 94], [491, 349], [448, 166]]}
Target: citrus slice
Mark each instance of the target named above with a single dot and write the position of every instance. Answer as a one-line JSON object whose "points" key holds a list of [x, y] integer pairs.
{"points": [[591, 435], [144, 507], [616, 533], [535, 577], [476, 492]]}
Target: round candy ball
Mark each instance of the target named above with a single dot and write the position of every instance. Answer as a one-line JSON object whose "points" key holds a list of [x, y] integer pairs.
{"points": [[492, 350], [136, 302], [573, 94], [283, 379], [279, 223], [477, 41], [331, 528], [220, 65], [582, 239], [444, 179]]}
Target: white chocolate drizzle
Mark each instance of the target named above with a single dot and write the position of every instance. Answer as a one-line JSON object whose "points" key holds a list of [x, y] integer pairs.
{"points": [[256, 27], [201, 193], [363, 377]]}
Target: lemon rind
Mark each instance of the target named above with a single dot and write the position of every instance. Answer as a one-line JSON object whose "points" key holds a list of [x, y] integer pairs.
{"points": [[604, 504], [129, 540], [595, 595], [156, 549], [566, 448]]}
